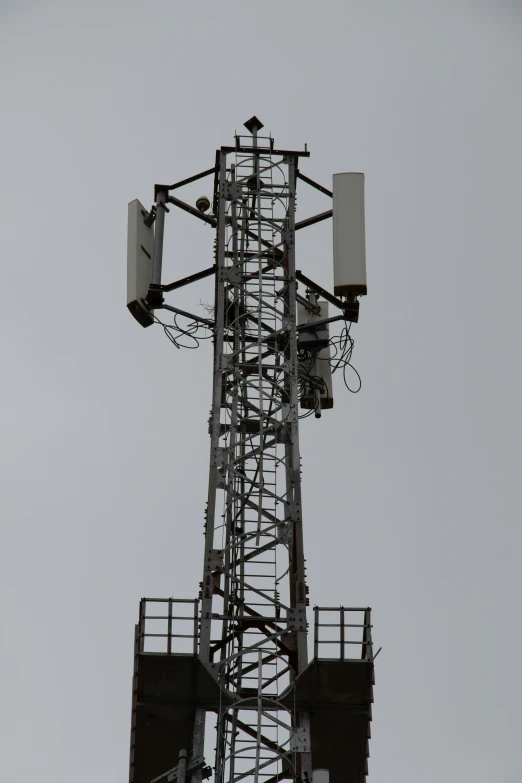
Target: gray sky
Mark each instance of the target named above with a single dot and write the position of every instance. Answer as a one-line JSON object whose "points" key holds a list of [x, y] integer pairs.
{"points": [[411, 488]]}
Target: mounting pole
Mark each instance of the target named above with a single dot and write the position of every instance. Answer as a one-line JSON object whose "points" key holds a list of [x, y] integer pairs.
{"points": [[161, 198]]}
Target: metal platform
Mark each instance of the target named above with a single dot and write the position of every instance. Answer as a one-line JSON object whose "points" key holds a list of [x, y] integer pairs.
{"points": [[336, 691], [338, 694], [167, 688]]}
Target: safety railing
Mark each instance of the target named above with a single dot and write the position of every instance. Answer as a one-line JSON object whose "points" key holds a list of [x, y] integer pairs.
{"points": [[168, 625], [342, 633]]}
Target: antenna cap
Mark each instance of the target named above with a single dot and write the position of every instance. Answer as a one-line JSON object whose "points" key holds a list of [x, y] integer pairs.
{"points": [[252, 123]]}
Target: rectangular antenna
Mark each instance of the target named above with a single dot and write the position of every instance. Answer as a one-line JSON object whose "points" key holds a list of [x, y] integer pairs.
{"points": [[349, 247], [140, 251]]}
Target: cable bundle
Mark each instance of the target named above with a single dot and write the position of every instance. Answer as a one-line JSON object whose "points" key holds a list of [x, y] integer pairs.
{"points": [[194, 332], [341, 359]]}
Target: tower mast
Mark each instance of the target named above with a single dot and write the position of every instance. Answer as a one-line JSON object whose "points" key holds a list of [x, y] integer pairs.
{"points": [[250, 657], [254, 524]]}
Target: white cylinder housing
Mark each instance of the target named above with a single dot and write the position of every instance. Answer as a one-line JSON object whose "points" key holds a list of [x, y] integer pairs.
{"points": [[349, 245]]}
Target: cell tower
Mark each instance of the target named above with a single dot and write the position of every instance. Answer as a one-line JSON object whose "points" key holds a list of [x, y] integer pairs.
{"points": [[278, 716]]}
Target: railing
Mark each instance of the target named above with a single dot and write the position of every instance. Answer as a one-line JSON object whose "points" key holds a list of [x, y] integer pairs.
{"points": [[331, 628], [159, 623]]}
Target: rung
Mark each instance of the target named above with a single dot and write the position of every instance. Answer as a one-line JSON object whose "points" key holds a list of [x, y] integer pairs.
{"points": [[167, 635]]}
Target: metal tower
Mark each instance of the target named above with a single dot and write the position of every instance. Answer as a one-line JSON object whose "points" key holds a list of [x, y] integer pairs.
{"points": [[277, 715]]}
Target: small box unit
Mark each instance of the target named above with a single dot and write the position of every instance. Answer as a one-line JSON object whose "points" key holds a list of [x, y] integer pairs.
{"points": [[314, 357]]}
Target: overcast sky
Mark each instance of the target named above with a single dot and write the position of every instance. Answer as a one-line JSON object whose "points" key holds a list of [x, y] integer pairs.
{"points": [[411, 488]]}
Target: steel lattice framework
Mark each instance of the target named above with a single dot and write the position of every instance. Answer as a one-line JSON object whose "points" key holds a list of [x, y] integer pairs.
{"points": [[251, 639], [254, 564]]}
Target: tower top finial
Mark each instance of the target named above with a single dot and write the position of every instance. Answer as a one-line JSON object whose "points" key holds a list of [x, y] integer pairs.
{"points": [[252, 123]]}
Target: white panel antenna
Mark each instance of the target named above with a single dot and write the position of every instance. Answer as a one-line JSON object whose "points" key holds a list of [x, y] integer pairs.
{"points": [[140, 250], [349, 246]]}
